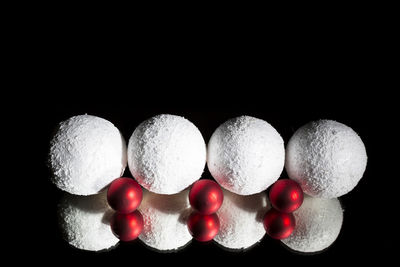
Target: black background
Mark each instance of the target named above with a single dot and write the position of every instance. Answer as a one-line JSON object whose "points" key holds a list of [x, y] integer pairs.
{"points": [[361, 234], [297, 75]]}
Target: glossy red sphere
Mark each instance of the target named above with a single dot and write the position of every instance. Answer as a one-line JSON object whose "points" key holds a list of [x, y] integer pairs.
{"points": [[124, 195], [286, 195], [127, 227], [203, 227], [206, 196], [279, 225]]}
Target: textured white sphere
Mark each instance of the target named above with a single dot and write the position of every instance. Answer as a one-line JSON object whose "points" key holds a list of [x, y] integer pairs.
{"points": [[85, 221], [245, 155], [241, 220], [166, 154], [318, 224], [165, 220], [86, 154], [326, 157]]}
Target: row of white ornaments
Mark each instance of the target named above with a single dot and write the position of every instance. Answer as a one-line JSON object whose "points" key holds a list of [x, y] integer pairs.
{"points": [[167, 153]]}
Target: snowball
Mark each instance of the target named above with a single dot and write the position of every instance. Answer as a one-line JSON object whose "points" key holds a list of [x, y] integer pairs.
{"points": [[86, 154], [318, 224], [241, 219], [165, 220], [166, 154], [326, 157], [245, 155], [85, 222]]}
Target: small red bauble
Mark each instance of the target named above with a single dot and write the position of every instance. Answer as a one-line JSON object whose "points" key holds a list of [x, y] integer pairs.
{"points": [[127, 227], [203, 227], [124, 195], [286, 195], [206, 196], [279, 225]]}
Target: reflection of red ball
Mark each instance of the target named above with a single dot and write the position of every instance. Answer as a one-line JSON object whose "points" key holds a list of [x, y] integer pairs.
{"points": [[279, 225], [286, 195], [206, 196], [203, 227], [124, 195], [127, 227]]}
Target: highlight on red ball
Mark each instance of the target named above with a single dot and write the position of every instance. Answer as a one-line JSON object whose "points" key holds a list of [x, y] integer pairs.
{"points": [[279, 225], [206, 196], [286, 195], [124, 195], [203, 227], [127, 227]]}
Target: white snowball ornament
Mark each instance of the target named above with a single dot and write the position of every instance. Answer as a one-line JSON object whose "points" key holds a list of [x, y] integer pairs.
{"points": [[85, 221], [166, 154], [245, 155], [326, 158], [86, 154], [165, 218], [241, 220], [318, 224]]}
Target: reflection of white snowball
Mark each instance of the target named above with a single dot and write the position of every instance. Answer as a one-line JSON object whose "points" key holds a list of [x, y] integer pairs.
{"points": [[166, 154], [165, 218], [86, 154], [241, 220], [326, 157], [245, 155], [318, 224], [85, 222]]}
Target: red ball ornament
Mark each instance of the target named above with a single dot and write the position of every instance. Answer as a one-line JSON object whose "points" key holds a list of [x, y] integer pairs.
{"points": [[127, 227], [124, 195], [206, 196], [279, 225], [286, 195], [203, 227]]}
